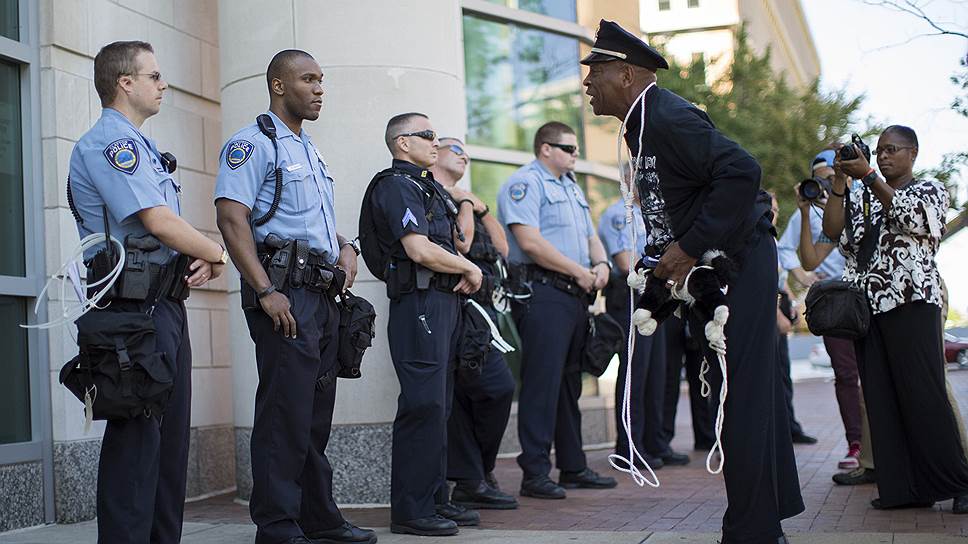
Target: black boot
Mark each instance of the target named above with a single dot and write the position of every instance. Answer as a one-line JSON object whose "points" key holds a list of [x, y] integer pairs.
{"points": [[458, 514], [429, 526], [587, 479], [541, 488], [471, 494], [347, 532]]}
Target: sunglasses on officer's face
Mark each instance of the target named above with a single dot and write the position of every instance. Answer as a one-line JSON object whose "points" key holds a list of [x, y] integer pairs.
{"points": [[425, 134], [567, 148], [456, 149]]}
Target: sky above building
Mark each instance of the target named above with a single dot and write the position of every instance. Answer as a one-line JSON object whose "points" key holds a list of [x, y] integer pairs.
{"points": [[866, 49], [906, 79]]}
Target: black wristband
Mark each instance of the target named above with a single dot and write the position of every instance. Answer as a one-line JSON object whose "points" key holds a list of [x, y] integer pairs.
{"points": [[482, 214], [266, 292], [462, 201], [835, 193]]}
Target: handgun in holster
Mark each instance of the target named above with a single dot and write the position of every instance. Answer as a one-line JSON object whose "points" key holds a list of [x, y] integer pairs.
{"points": [[281, 260], [136, 280]]}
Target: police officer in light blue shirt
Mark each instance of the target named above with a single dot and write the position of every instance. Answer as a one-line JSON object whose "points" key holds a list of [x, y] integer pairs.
{"points": [[274, 199], [786, 248], [554, 248], [115, 168]]}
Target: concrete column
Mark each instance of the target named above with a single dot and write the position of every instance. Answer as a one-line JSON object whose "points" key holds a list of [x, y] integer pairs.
{"points": [[379, 59]]}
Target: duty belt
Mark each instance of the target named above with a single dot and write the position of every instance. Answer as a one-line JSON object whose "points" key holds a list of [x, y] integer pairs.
{"points": [[309, 270], [445, 282], [559, 281]]}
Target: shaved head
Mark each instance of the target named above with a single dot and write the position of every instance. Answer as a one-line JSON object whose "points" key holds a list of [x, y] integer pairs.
{"points": [[282, 63]]}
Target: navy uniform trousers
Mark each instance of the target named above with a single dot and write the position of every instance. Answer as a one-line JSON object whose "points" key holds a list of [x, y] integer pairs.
{"points": [[144, 461], [482, 406], [552, 325], [648, 384], [762, 486], [292, 480], [424, 361], [679, 354]]}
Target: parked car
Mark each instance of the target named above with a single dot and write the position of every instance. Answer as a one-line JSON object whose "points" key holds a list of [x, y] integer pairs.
{"points": [[955, 350]]}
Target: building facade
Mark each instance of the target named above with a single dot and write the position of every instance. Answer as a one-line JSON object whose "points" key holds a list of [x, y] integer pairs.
{"points": [[490, 71], [707, 28]]}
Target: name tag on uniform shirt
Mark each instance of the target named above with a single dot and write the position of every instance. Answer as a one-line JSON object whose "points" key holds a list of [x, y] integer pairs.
{"points": [[294, 167]]}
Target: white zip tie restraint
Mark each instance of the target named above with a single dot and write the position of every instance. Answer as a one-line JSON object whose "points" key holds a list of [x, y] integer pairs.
{"points": [[617, 461], [497, 340], [68, 273]]}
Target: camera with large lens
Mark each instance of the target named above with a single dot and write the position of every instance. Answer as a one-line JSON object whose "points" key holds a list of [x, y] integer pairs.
{"points": [[812, 188], [849, 153]]}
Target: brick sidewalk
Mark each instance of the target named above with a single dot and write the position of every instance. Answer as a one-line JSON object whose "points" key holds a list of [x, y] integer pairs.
{"points": [[690, 500]]}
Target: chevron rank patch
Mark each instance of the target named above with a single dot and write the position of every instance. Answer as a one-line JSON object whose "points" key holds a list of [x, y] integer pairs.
{"points": [[122, 155]]}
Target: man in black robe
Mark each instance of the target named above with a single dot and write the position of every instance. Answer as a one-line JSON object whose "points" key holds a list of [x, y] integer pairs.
{"points": [[701, 191]]}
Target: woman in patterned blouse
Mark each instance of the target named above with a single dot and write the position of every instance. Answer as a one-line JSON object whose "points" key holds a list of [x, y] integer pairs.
{"points": [[917, 450]]}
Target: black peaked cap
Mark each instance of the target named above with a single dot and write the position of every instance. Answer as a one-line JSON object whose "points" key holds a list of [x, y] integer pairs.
{"points": [[612, 42]]}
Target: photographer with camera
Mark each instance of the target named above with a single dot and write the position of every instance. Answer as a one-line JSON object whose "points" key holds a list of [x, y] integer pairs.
{"points": [[805, 229], [896, 224]]}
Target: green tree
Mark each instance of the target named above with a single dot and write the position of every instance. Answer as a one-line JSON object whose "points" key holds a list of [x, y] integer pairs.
{"points": [[783, 127]]}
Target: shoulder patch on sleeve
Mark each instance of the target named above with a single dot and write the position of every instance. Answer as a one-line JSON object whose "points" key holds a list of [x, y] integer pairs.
{"points": [[237, 152], [618, 222], [122, 155], [518, 191]]}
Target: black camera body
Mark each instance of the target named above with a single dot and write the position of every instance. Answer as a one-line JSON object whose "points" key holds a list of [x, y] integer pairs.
{"points": [[849, 153]]}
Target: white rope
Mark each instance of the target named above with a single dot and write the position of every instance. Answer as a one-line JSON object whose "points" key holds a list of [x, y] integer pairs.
{"points": [[618, 461], [68, 273], [497, 340]]}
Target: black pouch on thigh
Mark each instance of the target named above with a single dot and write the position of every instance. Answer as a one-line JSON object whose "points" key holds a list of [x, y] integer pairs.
{"points": [[357, 327], [118, 374], [473, 345]]}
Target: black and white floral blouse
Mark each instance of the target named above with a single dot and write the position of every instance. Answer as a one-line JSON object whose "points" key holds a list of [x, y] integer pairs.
{"points": [[902, 269]]}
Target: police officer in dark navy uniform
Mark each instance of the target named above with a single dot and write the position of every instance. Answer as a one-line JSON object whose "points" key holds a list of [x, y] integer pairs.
{"points": [[482, 405], [554, 248], [408, 224], [700, 191], [648, 360], [274, 197], [116, 169]]}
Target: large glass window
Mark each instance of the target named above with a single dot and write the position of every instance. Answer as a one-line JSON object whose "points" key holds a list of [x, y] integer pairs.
{"points": [[15, 385], [517, 80], [12, 243], [559, 9], [10, 19]]}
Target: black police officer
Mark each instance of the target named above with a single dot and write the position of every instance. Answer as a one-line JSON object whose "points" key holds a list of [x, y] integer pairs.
{"points": [[425, 277], [295, 321], [700, 191], [482, 405]]}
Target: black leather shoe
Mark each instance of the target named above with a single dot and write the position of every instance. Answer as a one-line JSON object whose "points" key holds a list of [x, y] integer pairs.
{"points": [[347, 532], [857, 476], [876, 504], [781, 540], [429, 526], [299, 540], [803, 438], [960, 505], [674, 458], [458, 514], [654, 462], [542, 488], [482, 496], [587, 479], [490, 480]]}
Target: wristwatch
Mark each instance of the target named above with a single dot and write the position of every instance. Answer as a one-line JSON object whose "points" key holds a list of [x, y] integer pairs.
{"points": [[606, 263], [353, 244], [224, 259], [869, 179]]}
